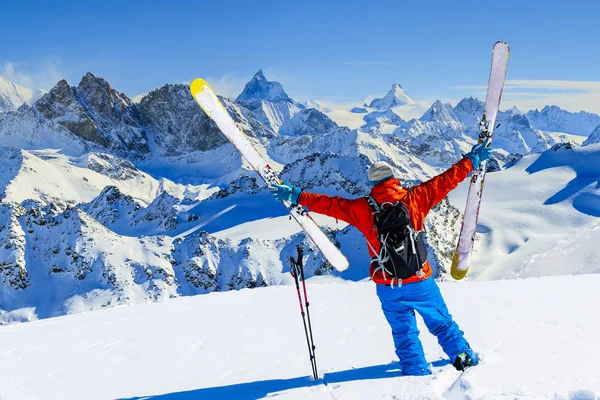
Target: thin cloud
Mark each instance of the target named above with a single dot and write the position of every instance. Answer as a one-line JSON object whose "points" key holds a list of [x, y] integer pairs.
{"points": [[43, 76], [229, 84], [526, 95]]}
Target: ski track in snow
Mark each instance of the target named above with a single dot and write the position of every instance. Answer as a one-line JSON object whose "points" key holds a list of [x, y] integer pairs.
{"points": [[537, 339]]}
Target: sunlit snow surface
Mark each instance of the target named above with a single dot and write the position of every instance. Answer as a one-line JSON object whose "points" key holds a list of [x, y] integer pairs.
{"points": [[539, 217], [537, 338]]}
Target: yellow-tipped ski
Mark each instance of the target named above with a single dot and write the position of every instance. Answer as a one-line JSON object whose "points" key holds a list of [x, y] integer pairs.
{"points": [[197, 86], [466, 239], [214, 109], [455, 272]]}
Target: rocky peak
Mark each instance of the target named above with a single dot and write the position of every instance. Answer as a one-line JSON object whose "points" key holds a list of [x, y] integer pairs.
{"points": [[110, 206], [438, 112], [555, 119], [97, 113], [97, 92], [162, 212], [394, 98], [113, 114], [260, 89], [176, 123], [470, 105], [54, 104]]}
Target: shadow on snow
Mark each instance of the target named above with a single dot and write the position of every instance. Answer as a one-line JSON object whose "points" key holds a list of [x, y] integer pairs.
{"points": [[261, 389], [587, 170]]}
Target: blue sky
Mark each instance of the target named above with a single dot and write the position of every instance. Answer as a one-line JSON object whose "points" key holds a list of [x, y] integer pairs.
{"points": [[338, 51]]}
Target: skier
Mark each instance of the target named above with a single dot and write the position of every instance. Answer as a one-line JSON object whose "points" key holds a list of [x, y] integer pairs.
{"points": [[402, 295]]}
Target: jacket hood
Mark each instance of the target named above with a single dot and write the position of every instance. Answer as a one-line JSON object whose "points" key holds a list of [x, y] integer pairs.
{"points": [[390, 190]]}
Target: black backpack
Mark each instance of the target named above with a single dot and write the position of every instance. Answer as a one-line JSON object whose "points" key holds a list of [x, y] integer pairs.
{"points": [[402, 253]]}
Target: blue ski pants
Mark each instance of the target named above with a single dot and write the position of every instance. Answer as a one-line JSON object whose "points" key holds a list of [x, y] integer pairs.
{"points": [[399, 304]]}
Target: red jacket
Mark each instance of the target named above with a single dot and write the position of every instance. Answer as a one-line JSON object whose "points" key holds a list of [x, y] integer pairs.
{"points": [[419, 200]]}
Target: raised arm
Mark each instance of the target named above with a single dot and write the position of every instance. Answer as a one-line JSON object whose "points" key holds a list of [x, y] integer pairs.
{"points": [[431, 192], [347, 210]]}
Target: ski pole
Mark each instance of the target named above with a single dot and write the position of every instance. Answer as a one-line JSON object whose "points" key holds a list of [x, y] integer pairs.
{"points": [[312, 342], [296, 270]]}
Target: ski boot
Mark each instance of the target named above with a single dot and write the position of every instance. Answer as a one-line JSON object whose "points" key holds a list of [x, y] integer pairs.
{"points": [[464, 361]]}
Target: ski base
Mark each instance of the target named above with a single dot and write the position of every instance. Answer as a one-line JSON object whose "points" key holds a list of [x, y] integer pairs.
{"points": [[464, 248]]}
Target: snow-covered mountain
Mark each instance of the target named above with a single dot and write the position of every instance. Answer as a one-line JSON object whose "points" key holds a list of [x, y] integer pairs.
{"points": [[12, 96], [268, 101], [555, 119], [157, 178], [593, 138], [395, 97], [97, 113]]}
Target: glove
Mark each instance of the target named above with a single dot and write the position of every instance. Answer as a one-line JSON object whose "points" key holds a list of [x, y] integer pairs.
{"points": [[480, 153], [286, 192]]}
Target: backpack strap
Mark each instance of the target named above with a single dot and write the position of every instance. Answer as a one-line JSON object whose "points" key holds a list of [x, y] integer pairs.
{"points": [[373, 204]]}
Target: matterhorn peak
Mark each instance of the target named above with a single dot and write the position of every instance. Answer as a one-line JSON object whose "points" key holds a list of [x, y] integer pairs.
{"points": [[260, 76], [395, 97], [260, 89]]}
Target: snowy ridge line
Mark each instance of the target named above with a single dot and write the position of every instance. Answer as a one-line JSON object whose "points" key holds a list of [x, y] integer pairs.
{"points": [[54, 168]]}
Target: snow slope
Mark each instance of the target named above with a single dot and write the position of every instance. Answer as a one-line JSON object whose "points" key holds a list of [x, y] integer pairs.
{"points": [[12, 96], [49, 176], [539, 217], [535, 337]]}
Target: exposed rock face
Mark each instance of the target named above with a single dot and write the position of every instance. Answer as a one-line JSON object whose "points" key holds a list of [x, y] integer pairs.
{"points": [[110, 206], [97, 113], [162, 212], [178, 126], [14, 276], [176, 122], [61, 105]]}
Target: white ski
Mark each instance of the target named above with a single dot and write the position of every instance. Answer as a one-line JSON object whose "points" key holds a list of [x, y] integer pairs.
{"points": [[209, 102], [464, 249]]}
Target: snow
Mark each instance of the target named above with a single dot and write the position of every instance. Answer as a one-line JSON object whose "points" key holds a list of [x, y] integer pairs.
{"points": [[48, 175], [535, 338], [184, 215], [553, 118], [594, 137], [395, 97], [539, 217], [12, 96]]}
